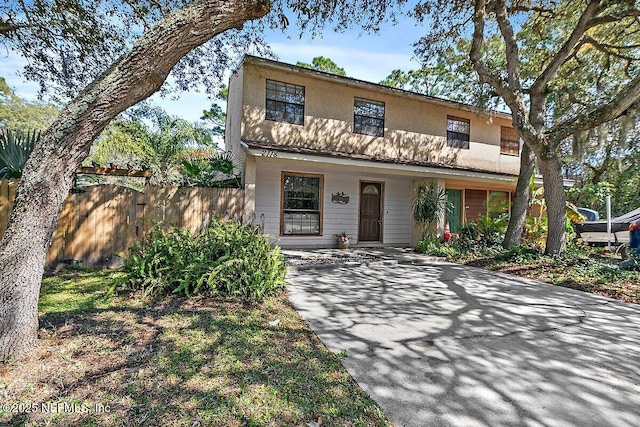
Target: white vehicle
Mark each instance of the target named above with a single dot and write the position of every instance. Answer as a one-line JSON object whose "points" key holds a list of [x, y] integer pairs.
{"points": [[595, 232]]}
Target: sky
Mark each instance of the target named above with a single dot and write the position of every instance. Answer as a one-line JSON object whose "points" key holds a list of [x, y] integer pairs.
{"points": [[363, 56]]}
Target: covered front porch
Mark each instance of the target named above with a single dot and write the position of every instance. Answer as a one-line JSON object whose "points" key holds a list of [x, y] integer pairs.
{"points": [[307, 200]]}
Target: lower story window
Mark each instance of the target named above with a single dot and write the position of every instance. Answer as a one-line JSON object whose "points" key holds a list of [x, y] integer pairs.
{"points": [[301, 204]]}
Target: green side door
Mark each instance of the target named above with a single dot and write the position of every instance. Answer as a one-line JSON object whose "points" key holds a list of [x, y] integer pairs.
{"points": [[454, 215]]}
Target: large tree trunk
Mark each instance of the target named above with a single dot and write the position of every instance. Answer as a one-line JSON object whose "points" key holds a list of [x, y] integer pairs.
{"points": [[554, 196], [48, 174], [513, 235]]}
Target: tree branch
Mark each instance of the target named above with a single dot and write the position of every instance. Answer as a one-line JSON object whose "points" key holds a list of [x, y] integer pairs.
{"points": [[607, 19], [7, 27], [475, 54], [511, 46], [561, 56], [611, 49], [626, 98], [513, 98], [538, 9], [571, 95]]}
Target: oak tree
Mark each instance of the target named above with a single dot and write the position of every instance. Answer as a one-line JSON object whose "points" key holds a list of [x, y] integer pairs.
{"points": [[554, 74], [48, 174]]}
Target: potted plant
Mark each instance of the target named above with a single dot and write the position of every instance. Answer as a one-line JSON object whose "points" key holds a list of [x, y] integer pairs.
{"points": [[343, 240]]}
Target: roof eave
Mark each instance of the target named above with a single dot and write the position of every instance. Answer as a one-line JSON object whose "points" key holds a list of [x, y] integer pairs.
{"points": [[258, 150]]}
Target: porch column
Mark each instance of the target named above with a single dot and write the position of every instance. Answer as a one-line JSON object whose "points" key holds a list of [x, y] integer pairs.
{"points": [[440, 227], [249, 186]]}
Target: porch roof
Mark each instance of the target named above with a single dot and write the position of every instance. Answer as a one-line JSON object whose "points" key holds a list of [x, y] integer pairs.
{"points": [[257, 148]]}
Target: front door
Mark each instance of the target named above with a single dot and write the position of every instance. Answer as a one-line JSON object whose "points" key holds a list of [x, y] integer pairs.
{"points": [[454, 199], [370, 210]]}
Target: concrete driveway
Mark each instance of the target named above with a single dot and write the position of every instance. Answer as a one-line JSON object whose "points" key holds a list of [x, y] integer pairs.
{"points": [[439, 344]]}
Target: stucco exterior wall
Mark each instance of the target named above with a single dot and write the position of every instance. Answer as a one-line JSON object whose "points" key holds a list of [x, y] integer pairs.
{"points": [[233, 124], [336, 217], [415, 129]]}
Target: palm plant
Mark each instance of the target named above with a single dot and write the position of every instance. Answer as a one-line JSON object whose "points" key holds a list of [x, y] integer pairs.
{"points": [[209, 168], [152, 139], [15, 148], [429, 205]]}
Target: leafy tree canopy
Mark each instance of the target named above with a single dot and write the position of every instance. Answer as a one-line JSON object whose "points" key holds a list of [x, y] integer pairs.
{"points": [[149, 138], [453, 79], [215, 117], [320, 63], [578, 54], [69, 43], [19, 114], [606, 160]]}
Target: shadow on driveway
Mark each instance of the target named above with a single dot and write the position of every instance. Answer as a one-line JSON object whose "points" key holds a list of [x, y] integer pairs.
{"points": [[445, 344]]}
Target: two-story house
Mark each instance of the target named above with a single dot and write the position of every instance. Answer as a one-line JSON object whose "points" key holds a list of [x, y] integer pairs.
{"points": [[321, 154]]}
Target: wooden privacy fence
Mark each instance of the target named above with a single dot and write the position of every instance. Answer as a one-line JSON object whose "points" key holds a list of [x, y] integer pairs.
{"points": [[98, 222]]}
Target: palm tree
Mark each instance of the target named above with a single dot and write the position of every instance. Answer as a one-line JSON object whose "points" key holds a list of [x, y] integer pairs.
{"points": [[152, 139]]}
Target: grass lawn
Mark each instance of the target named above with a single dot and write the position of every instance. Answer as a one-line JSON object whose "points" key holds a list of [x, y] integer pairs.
{"points": [[120, 361]]}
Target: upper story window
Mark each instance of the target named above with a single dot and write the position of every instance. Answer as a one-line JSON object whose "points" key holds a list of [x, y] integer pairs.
{"points": [[509, 141], [285, 102], [458, 132], [368, 117], [301, 204]]}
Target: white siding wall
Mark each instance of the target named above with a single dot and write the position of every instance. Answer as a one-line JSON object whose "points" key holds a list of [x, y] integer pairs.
{"points": [[336, 217], [397, 211]]}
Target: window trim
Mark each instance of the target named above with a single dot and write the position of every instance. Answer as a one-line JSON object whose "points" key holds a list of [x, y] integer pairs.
{"points": [[267, 99], [511, 141], [320, 204], [450, 140], [372, 101]]}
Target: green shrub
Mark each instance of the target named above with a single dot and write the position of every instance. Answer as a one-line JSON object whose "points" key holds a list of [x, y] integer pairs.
{"points": [[521, 254], [485, 233], [434, 247], [225, 259], [204, 169], [470, 239], [492, 228]]}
